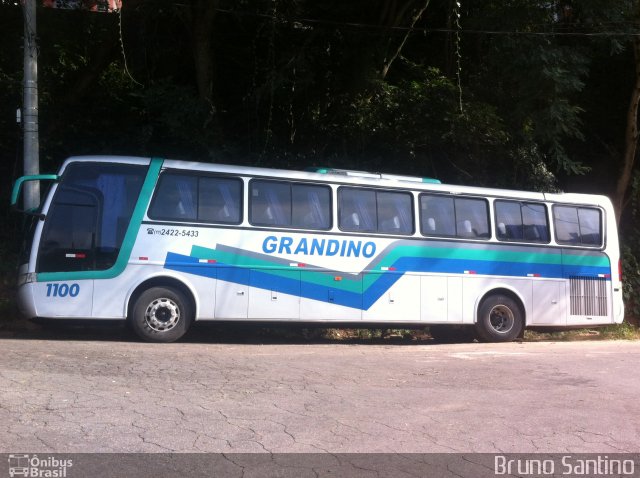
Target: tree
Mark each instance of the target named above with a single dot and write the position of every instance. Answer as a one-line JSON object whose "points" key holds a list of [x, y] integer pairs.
{"points": [[391, 56], [631, 134]]}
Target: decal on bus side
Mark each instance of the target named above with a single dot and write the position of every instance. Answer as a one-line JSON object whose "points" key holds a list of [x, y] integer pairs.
{"points": [[319, 247], [63, 290]]}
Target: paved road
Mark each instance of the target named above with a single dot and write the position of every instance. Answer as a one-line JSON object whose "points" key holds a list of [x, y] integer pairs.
{"points": [[107, 394]]}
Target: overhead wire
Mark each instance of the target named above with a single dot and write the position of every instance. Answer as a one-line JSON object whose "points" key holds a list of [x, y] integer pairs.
{"points": [[299, 21]]}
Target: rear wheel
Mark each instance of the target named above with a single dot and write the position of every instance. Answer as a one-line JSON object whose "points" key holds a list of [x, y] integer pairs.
{"points": [[499, 319], [161, 314]]}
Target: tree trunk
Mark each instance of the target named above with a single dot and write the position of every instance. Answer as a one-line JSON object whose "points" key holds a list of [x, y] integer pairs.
{"points": [[202, 15], [631, 138], [387, 63]]}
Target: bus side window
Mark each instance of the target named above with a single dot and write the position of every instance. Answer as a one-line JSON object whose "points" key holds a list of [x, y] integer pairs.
{"points": [[220, 200], [520, 221], [565, 219], [590, 226], [472, 218], [508, 220], [357, 210], [437, 215], [270, 203], [311, 208], [578, 225], [395, 212], [285, 204], [175, 198], [535, 225]]}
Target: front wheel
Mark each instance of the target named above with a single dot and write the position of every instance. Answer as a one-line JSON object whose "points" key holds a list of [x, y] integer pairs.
{"points": [[499, 319], [161, 314]]}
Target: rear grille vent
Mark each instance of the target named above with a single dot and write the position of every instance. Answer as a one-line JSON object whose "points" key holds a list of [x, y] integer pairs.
{"points": [[588, 296]]}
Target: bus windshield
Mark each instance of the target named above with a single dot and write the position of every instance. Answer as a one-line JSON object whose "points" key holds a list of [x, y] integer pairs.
{"points": [[88, 216]]}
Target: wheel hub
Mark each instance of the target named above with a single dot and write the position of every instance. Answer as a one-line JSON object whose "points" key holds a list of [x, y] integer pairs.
{"points": [[501, 319], [162, 314]]}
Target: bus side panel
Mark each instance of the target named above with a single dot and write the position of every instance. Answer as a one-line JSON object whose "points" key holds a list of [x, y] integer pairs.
{"points": [[157, 256], [589, 286], [475, 288], [72, 299], [232, 293], [441, 299], [549, 304], [111, 296], [400, 303], [280, 301], [330, 296]]}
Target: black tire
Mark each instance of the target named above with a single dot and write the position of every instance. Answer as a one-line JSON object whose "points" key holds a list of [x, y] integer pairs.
{"points": [[500, 319], [161, 314], [452, 334]]}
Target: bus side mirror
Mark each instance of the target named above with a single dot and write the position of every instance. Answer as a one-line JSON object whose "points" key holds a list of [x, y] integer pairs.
{"points": [[17, 187]]}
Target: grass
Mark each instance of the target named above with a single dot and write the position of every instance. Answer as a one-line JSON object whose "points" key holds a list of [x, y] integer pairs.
{"points": [[624, 331]]}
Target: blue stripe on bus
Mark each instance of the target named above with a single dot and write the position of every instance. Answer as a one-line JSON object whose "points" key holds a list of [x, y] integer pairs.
{"points": [[263, 279]]}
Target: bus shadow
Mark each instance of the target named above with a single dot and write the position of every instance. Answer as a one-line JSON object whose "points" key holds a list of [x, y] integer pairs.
{"points": [[77, 331], [286, 334], [217, 333]]}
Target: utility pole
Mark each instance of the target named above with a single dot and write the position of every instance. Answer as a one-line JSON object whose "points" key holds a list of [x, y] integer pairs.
{"points": [[30, 105]]}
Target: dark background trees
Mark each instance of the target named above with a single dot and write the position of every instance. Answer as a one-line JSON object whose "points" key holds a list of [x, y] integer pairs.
{"points": [[520, 94]]}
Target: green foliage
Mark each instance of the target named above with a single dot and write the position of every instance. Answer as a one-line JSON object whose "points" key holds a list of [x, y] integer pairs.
{"points": [[631, 257], [631, 282], [414, 126], [623, 331], [175, 122], [535, 92]]}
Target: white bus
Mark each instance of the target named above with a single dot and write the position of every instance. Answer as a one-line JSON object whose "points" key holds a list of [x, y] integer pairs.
{"points": [[162, 243]]}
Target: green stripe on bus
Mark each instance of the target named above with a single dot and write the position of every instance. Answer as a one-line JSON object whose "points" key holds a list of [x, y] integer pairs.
{"points": [[494, 255], [129, 238], [583, 260]]}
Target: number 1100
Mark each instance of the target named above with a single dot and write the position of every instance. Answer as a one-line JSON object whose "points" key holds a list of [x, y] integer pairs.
{"points": [[62, 290]]}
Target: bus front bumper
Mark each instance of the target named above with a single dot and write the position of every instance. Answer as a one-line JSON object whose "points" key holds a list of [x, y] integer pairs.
{"points": [[26, 300]]}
